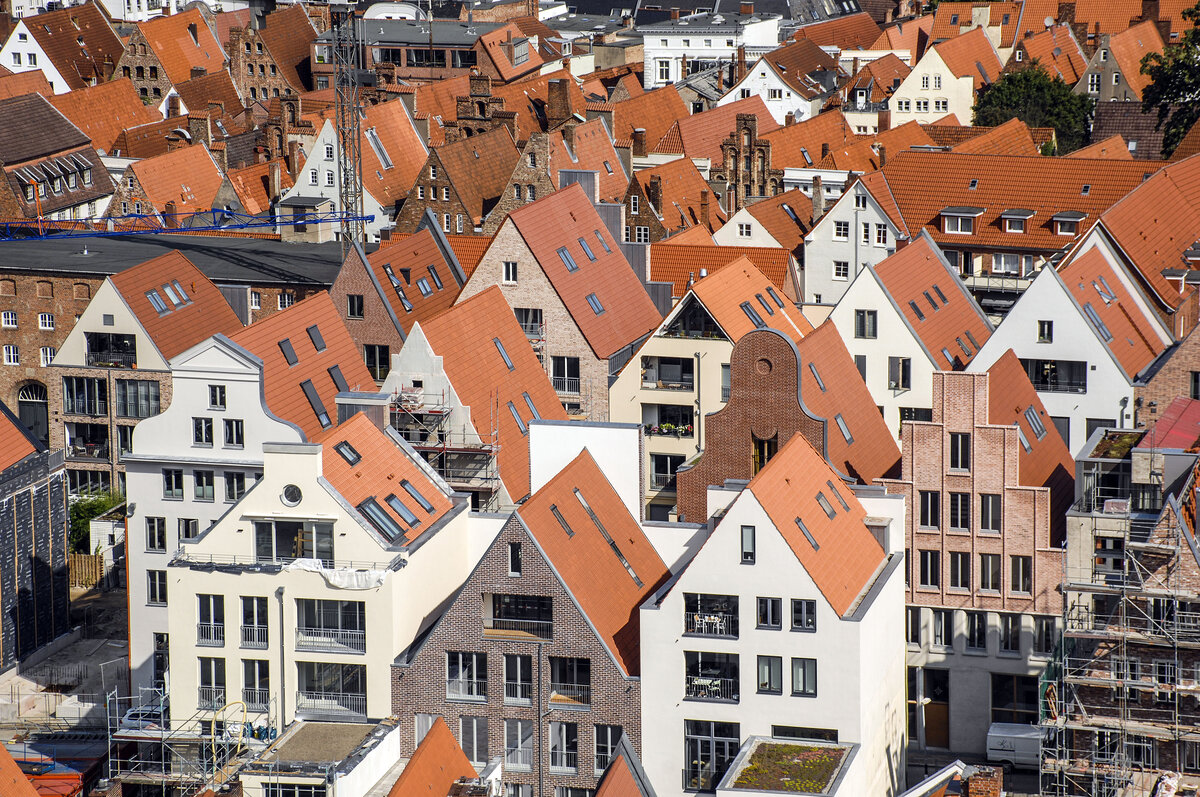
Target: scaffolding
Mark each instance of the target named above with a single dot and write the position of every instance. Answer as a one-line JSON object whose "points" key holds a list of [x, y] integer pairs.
{"points": [[1121, 698]]}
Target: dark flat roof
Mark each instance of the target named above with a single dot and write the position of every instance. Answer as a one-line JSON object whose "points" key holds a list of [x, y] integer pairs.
{"points": [[223, 260]]}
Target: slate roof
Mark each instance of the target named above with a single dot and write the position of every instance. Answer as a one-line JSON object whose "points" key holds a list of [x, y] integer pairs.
{"points": [[187, 176], [799, 145], [681, 263], [103, 111], [700, 135], [605, 562], [79, 41], [724, 292], [284, 382], [435, 766], [185, 322], [479, 167], [851, 32], [288, 35], [170, 40], [31, 128], [971, 54], [1058, 51], [681, 185], [559, 221]]}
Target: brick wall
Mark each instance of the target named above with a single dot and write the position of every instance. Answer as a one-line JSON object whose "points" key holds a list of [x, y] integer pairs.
{"points": [[1171, 381], [375, 327], [409, 217], [421, 686], [645, 217], [525, 177], [252, 67], [151, 81], [130, 197]]}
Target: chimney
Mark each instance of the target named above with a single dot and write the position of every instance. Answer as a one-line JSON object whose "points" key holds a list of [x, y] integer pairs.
{"points": [[674, 13], [200, 128], [746, 9], [789, 119], [198, 71], [986, 782], [824, 150], [818, 199], [108, 68], [741, 61], [654, 192], [274, 181], [293, 158], [481, 85], [169, 210], [882, 156], [683, 65], [639, 142], [704, 212], [558, 103]]}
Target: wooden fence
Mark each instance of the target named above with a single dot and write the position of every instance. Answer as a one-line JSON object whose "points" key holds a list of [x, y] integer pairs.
{"points": [[86, 569]]}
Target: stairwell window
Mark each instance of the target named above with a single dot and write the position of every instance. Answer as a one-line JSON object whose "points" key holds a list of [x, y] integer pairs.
{"points": [[748, 547]]}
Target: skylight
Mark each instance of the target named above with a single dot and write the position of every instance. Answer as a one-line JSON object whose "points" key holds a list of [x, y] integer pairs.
{"points": [[314, 401], [339, 381], [973, 184], [775, 296], [170, 292], [1094, 317], [532, 409], [949, 359], [770, 310], [1024, 440], [404, 512], [179, 290], [917, 310], [825, 505], [517, 417], [611, 542], [963, 346], [586, 250], [289, 353], [416, 495], [348, 453], [603, 242], [156, 302], [845, 430], [807, 534], [594, 303], [929, 299], [837, 495], [753, 315], [566, 258], [314, 334], [1087, 189], [1035, 423], [939, 293], [561, 520], [381, 520], [791, 213], [820, 382], [424, 287], [974, 342], [503, 353], [377, 146], [437, 280], [1105, 292]]}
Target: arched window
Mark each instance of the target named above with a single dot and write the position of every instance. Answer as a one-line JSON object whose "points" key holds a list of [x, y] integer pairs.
{"points": [[32, 410]]}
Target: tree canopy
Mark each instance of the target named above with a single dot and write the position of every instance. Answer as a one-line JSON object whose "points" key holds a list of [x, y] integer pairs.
{"points": [[83, 510], [1174, 90], [1039, 100]]}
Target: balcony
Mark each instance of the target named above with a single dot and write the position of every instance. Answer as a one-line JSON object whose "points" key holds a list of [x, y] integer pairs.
{"points": [[518, 759], [662, 481], [111, 359], [706, 623], [566, 384], [670, 429], [210, 698], [470, 689], [256, 699], [518, 693], [80, 450], [335, 706], [210, 635], [511, 628], [107, 350], [254, 637], [564, 762], [711, 687], [533, 329], [331, 640], [570, 695]]}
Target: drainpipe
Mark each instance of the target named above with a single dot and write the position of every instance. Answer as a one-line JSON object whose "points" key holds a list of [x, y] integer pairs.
{"points": [[699, 412], [282, 664], [541, 716]]}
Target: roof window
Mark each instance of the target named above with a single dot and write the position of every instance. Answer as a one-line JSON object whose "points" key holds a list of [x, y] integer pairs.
{"points": [[156, 302], [603, 242], [1087, 189], [917, 310], [503, 353], [339, 381], [816, 375], [807, 534], [424, 287], [566, 259], [586, 250], [973, 184], [314, 401], [929, 299], [179, 290], [561, 520], [1024, 440], [946, 354], [348, 452], [838, 496], [532, 409], [974, 342], [775, 296], [289, 353], [770, 310], [416, 495], [174, 297], [437, 280], [377, 146], [753, 315], [845, 430], [1094, 317], [1035, 423], [608, 538], [314, 334], [825, 505], [1106, 293], [404, 512], [404, 302], [594, 303], [939, 293], [963, 346], [381, 520], [517, 417]]}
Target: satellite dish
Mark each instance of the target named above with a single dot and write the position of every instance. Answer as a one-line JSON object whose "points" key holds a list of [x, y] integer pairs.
{"points": [[1048, 22]]}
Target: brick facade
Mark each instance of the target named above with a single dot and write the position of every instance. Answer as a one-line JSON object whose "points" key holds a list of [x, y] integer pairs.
{"points": [[436, 193], [479, 112], [142, 66], [375, 327], [747, 165], [420, 686], [1174, 379], [764, 404], [530, 181], [252, 67]]}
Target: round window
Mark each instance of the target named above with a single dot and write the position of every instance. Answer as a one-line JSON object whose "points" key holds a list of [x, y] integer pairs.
{"points": [[291, 495]]}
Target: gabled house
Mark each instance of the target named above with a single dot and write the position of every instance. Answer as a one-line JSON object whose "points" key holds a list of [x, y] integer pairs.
{"points": [[794, 80], [273, 60], [786, 624], [507, 54], [855, 31], [701, 135], [208, 92], [183, 180], [259, 186], [564, 274], [868, 92], [104, 111], [667, 199], [905, 318], [947, 79], [164, 51], [652, 112], [677, 47], [1055, 49], [531, 679], [1001, 22], [73, 47], [781, 220], [681, 261], [1114, 70], [912, 35]]}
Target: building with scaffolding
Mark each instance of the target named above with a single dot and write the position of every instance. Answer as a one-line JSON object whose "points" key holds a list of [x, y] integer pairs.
{"points": [[1120, 698]]}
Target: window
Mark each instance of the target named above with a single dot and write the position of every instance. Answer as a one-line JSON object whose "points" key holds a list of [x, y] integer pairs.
{"points": [[989, 513], [866, 233], [959, 225], [595, 304], [960, 511], [941, 106], [804, 615], [46, 355], [173, 484], [804, 677], [960, 570], [285, 300], [865, 324], [12, 354], [912, 619], [156, 587], [566, 258], [1067, 227], [216, 397], [1010, 633], [514, 559], [377, 359], [960, 451], [466, 676], [1022, 574], [314, 401], [989, 571], [1035, 423], [329, 178], [473, 738], [202, 485], [255, 300], [904, 106], [976, 630], [1015, 700], [202, 431], [931, 501], [943, 627], [931, 575], [518, 745], [743, 230], [156, 534], [235, 485], [1045, 332], [770, 613], [1014, 225], [664, 69], [1045, 635], [899, 373], [922, 106], [841, 231], [607, 737], [641, 235], [881, 235], [770, 675], [924, 81], [1094, 83], [137, 398], [633, 204], [748, 545], [46, 322], [841, 270], [564, 746]]}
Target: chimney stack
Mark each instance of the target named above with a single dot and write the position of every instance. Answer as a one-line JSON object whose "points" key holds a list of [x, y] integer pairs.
{"points": [[169, 210], [818, 199], [824, 150], [274, 182], [674, 13], [746, 8], [741, 61], [654, 192], [293, 158], [558, 103], [639, 142], [704, 212], [986, 782], [882, 156], [789, 119], [198, 71]]}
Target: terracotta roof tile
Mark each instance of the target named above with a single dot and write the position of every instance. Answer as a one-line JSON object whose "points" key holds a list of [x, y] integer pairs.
{"points": [[681, 186], [435, 766], [911, 35], [971, 54], [252, 185], [798, 64], [700, 135], [695, 236], [104, 110], [383, 467], [13, 782], [463, 337], [1177, 428], [950, 19], [1189, 145], [725, 291], [557, 221], [287, 34], [409, 266], [493, 43], [527, 99], [197, 93], [206, 313], [947, 132], [186, 176], [479, 167], [607, 589], [654, 111], [226, 21], [879, 78], [851, 32], [1011, 138], [78, 41], [1129, 47], [534, 28], [170, 39], [872, 454], [1115, 16], [469, 249], [1058, 51], [799, 145], [32, 82], [863, 155], [389, 176], [877, 184], [592, 150], [440, 98], [679, 263], [1113, 147], [787, 217], [16, 443], [147, 140], [618, 781], [283, 383], [845, 556], [914, 276]]}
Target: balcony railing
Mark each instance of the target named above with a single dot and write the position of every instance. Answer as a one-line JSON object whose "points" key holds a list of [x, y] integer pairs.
{"points": [[111, 359], [519, 693], [254, 636], [566, 384], [518, 758], [662, 481], [331, 640], [570, 695], [706, 687], [542, 629], [711, 623], [1060, 385], [210, 635], [669, 429], [256, 699], [665, 384], [532, 329], [564, 761], [87, 451], [210, 698], [343, 706], [466, 689], [726, 391], [84, 406]]}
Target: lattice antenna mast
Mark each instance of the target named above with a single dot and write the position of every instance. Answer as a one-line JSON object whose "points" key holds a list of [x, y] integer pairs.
{"points": [[347, 65]]}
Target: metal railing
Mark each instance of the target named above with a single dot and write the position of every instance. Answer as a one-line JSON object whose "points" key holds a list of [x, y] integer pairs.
{"points": [[698, 779], [518, 758], [331, 640], [331, 705], [466, 689], [704, 687], [1184, 626], [87, 451], [256, 699], [564, 761], [210, 635], [662, 481], [532, 329], [254, 636], [726, 391], [111, 359], [663, 384], [711, 623], [197, 557], [577, 694], [84, 406], [518, 692], [1060, 385], [566, 384], [542, 629], [209, 698]]}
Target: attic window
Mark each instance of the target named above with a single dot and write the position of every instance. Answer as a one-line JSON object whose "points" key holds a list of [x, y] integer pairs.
{"points": [[314, 401], [939, 293], [566, 258], [838, 496], [603, 242], [404, 512], [500, 348], [437, 280], [917, 310], [1024, 440], [594, 303], [974, 342], [532, 409], [1087, 189], [973, 184], [170, 292], [963, 346], [377, 146], [381, 520], [753, 315], [179, 290], [339, 381], [289, 353], [516, 417], [1094, 317], [807, 534], [608, 168], [954, 19], [770, 310], [929, 299], [1106, 293], [843, 428], [825, 505], [820, 382], [586, 250], [348, 453], [416, 495], [156, 302], [1035, 423], [561, 520], [807, 159], [611, 542], [314, 334], [775, 296]]}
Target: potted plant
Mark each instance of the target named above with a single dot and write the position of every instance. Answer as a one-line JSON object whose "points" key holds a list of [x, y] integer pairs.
{"points": [[667, 428]]}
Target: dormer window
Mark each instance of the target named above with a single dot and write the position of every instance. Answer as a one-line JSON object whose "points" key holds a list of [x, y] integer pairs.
{"points": [[959, 225], [1014, 225], [1067, 222]]}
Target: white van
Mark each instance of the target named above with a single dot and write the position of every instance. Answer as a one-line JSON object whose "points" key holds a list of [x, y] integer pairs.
{"points": [[1014, 745]]}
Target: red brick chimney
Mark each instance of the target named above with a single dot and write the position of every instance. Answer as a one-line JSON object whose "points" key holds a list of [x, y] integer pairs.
{"points": [[818, 203], [704, 212], [986, 782], [674, 13], [824, 150], [198, 71], [746, 8], [789, 119], [639, 142], [274, 181], [741, 61], [558, 103], [169, 210], [654, 192], [882, 156]]}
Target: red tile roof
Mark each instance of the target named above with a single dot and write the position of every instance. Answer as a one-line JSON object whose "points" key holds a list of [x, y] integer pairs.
{"points": [[592, 150], [952, 18], [681, 188], [16, 443], [914, 276], [463, 337], [32, 82], [480, 168], [607, 589], [435, 766], [863, 155], [527, 98], [679, 263], [1189, 145], [559, 221], [618, 781], [947, 132], [170, 39], [206, 312], [1113, 147], [1114, 16], [700, 135], [380, 473], [218, 87], [147, 140], [287, 34], [851, 32], [79, 41], [879, 78], [798, 62], [873, 453], [252, 185], [654, 111], [226, 21], [1058, 51], [800, 145], [845, 557], [911, 35], [105, 110], [283, 383], [877, 184], [971, 54], [696, 236], [1177, 428], [1011, 138], [13, 782], [187, 176], [390, 124], [724, 292], [1129, 47], [408, 266], [493, 44], [787, 217]]}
